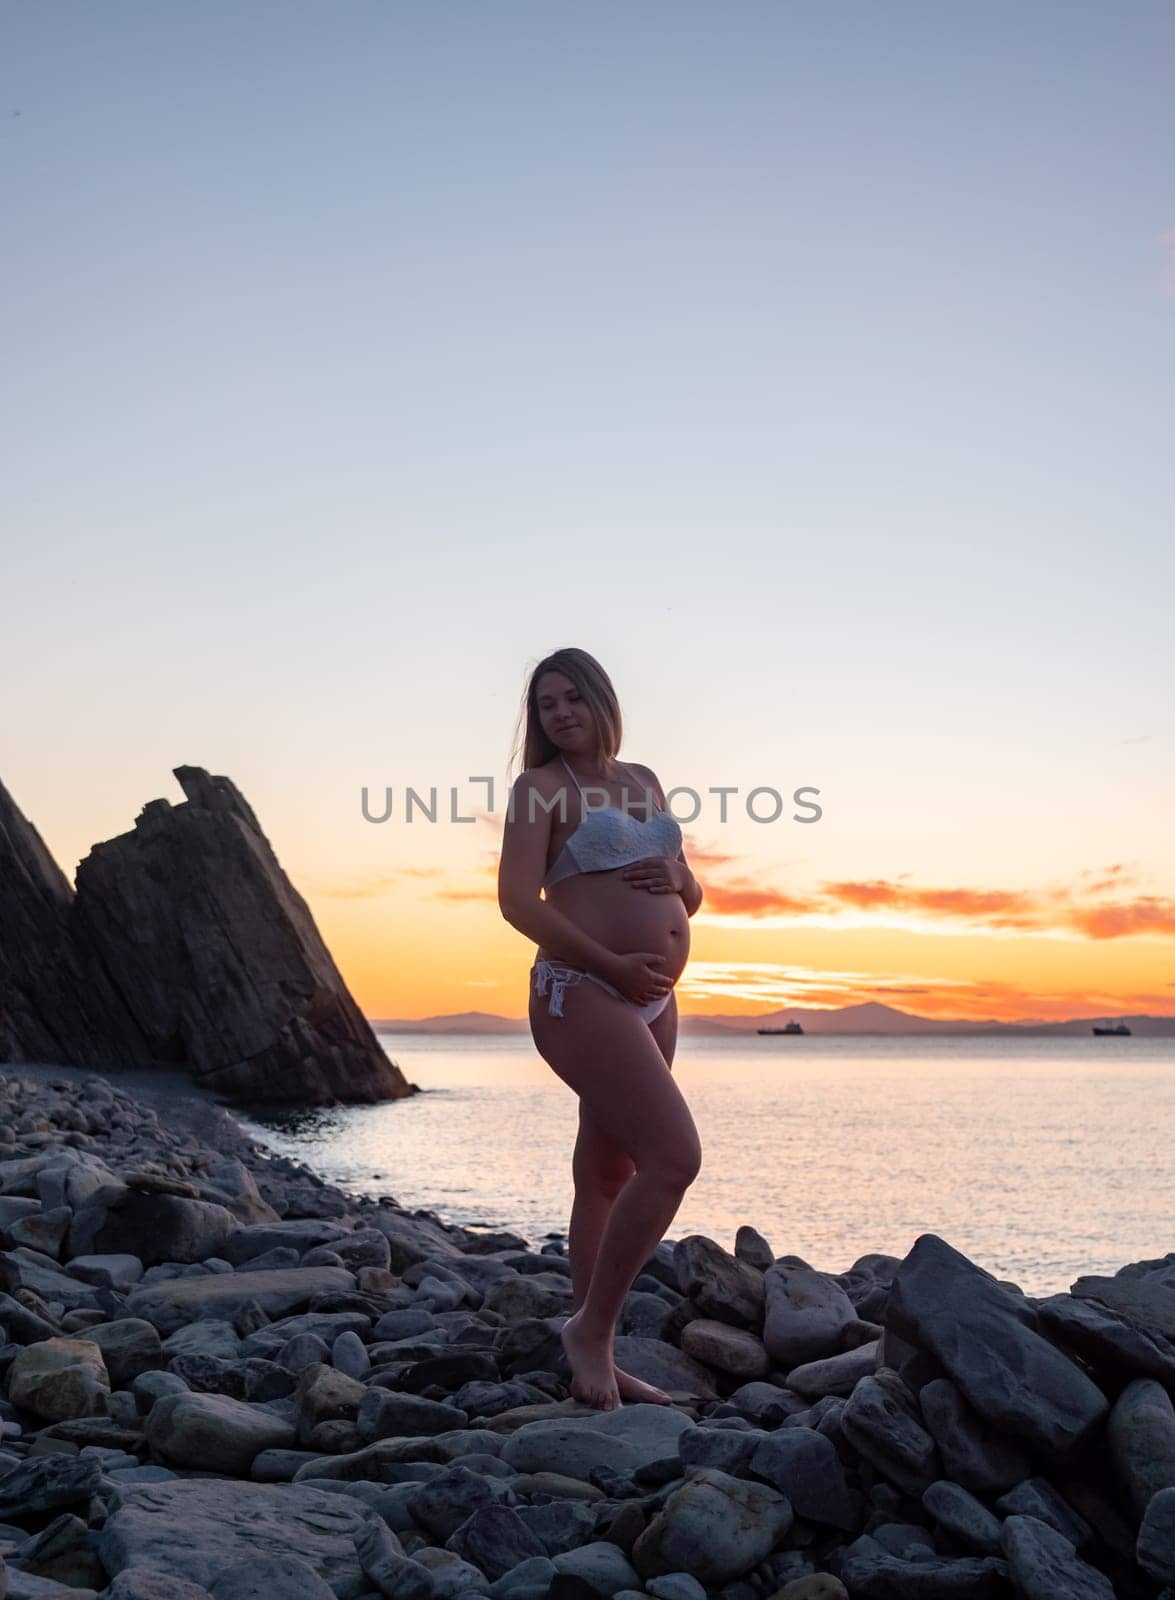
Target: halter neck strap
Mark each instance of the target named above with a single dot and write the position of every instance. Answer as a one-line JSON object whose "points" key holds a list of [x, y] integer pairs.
{"points": [[574, 779]]}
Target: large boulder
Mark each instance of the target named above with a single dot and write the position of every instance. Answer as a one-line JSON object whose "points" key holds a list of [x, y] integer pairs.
{"points": [[714, 1527], [59, 1379], [153, 1227], [213, 1433], [185, 944], [985, 1337], [57, 1003], [221, 1295], [200, 1528]]}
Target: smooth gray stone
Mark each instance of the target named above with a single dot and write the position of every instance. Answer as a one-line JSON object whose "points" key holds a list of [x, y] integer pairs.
{"points": [[629, 1437], [494, 1538], [719, 1284], [871, 1573], [1037, 1497], [120, 1272], [1156, 1537], [973, 1453], [24, 1326], [211, 1336], [882, 1422], [170, 1305], [129, 1347], [271, 1578], [279, 1466], [154, 1227], [405, 1324], [26, 1586], [387, 1413], [363, 1247], [803, 1465], [713, 1526], [141, 1475], [442, 1505], [383, 1560], [561, 1525], [1044, 1565], [213, 1433], [302, 1351], [387, 1500], [42, 1230], [29, 1269], [958, 1511], [605, 1567], [270, 1341], [349, 1355], [1148, 1301], [283, 1256], [728, 1449], [838, 1375], [197, 1527], [151, 1386], [1141, 1437], [300, 1234], [48, 1483], [806, 1317], [984, 1335], [62, 1551], [906, 1540], [1109, 1342], [140, 1583]]}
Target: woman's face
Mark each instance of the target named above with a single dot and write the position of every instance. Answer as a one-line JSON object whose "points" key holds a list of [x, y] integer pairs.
{"points": [[563, 714]]}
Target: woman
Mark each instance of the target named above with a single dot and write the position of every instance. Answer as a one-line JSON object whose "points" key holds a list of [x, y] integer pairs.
{"points": [[613, 937]]}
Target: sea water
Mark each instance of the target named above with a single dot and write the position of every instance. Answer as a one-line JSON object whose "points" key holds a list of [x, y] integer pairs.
{"points": [[1040, 1159]]}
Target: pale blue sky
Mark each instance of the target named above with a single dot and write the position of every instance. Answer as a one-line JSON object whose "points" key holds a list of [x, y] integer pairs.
{"points": [[811, 365]]}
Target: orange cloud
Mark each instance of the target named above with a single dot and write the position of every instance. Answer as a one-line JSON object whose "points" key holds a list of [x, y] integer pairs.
{"points": [[1047, 910], [1148, 914], [753, 899]]}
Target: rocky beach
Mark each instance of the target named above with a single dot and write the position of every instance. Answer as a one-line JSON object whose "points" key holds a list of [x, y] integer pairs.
{"points": [[223, 1378]]}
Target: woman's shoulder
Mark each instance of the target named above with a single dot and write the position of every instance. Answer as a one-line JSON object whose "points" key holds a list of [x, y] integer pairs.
{"points": [[648, 777], [543, 779]]}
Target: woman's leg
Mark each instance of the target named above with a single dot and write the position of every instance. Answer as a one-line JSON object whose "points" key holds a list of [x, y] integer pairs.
{"points": [[600, 1167], [609, 1057]]}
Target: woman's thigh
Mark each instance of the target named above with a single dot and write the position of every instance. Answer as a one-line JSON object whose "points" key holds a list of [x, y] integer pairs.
{"points": [[598, 1159], [607, 1054]]}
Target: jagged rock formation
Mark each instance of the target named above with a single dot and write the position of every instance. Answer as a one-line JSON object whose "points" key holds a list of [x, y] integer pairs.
{"points": [[184, 945]]}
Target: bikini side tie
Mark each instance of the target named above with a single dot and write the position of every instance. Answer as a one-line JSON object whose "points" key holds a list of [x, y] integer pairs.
{"points": [[559, 979]]}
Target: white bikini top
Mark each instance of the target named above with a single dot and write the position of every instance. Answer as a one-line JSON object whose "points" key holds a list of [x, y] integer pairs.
{"points": [[608, 838]]}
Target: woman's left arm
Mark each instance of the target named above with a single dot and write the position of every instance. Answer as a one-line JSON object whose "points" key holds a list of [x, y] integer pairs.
{"points": [[691, 889], [682, 880]]}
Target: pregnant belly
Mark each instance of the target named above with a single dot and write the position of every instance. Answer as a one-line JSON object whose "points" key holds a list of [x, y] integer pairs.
{"points": [[607, 907]]}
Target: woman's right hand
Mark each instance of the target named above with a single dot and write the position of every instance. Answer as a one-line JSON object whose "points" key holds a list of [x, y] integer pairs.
{"points": [[637, 977]]}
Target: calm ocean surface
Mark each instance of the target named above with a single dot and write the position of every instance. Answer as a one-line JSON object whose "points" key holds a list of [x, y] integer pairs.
{"points": [[1040, 1160]]}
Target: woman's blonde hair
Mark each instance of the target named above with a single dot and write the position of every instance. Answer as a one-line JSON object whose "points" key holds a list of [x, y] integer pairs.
{"points": [[596, 691]]}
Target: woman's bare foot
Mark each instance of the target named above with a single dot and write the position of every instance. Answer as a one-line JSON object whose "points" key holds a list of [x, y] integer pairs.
{"points": [[592, 1378], [633, 1389]]}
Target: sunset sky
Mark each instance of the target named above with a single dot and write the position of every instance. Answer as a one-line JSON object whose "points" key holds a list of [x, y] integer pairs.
{"points": [[813, 367]]}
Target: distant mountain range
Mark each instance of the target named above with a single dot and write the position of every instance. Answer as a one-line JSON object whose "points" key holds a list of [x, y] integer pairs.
{"points": [[869, 1018]]}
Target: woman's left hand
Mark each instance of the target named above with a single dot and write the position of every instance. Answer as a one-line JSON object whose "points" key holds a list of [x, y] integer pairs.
{"points": [[657, 874]]}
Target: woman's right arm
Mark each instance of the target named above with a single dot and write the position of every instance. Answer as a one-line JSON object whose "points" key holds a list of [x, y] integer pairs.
{"points": [[525, 842]]}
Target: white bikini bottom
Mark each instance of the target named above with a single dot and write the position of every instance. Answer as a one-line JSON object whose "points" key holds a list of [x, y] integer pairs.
{"points": [[559, 976]]}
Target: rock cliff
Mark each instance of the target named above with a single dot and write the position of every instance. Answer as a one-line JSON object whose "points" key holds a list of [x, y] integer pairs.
{"points": [[185, 944]]}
